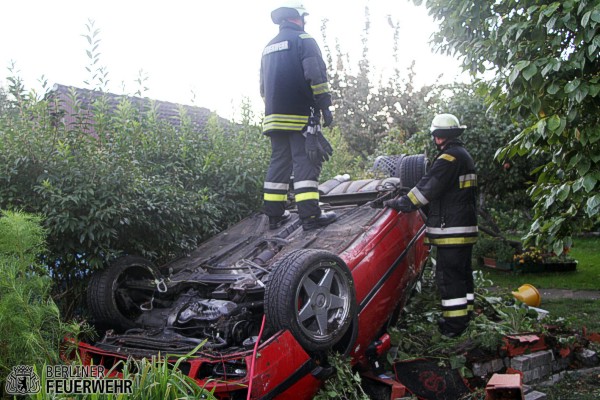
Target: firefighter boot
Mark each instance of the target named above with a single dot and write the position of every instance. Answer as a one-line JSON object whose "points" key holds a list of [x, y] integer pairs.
{"points": [[453, 327], [324, 219], [276, 222]]}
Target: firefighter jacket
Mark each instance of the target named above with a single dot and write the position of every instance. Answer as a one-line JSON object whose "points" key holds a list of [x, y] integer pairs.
{"points": [[449, 190], [293, 79]]}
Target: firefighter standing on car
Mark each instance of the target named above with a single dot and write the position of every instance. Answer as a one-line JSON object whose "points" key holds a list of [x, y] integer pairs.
{"points": [[449, 192], [294, 86]]}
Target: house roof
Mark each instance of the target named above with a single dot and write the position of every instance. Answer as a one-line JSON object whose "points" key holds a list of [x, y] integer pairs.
{"points": [[165, 110]]}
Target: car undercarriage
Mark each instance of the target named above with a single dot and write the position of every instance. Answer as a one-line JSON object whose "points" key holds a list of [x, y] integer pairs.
{"points": [[334, 288]]}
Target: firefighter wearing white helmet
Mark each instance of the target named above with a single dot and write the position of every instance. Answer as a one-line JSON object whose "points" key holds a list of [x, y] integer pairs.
{"points": [[449, 192], [446, 126], [294, 86], [288, 9]]}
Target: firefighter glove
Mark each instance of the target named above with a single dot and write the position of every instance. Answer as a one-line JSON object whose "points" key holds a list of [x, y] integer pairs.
{"points": [[402, 204], [327, 117], [317, 147], [396, 204], [390, 203], [314, 151], [325, 146]]}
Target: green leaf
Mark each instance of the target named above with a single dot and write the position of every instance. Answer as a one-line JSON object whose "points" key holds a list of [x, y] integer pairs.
{"points": [[589, 182], [594, 90], [581, 93], [571, 86], [541, 126], [457, 361], [595, 15], [593, 134], [551, 9], [530, 72], [553, 122], [584, 166], [574, 160], [501, 153], [551, 22], [563, 192], [558, 247], [536, 104], [521, 65], [562, 126], [592, 205], [551, 65], [553, 88], [513, 76]]}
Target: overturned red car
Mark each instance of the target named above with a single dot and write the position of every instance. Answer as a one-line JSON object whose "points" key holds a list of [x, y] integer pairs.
{"points": [[288, 295]]}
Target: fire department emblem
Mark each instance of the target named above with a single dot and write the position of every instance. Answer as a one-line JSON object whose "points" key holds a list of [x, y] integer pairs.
{"points": [[22, 380]]}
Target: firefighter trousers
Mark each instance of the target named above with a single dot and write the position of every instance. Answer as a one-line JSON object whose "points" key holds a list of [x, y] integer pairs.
{"points": [[454, 278], [288, 156]]}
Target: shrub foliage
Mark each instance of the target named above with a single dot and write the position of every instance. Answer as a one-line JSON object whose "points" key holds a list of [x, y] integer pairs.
{"points": [[136, 185], [30, 325], [543, 57]]}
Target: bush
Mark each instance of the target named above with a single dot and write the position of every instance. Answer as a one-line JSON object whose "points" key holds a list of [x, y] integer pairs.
{"points": [[494, 247], [138, 185], [30, 325]]}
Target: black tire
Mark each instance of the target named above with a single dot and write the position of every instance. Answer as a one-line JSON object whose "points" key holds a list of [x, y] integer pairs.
{"points": [[411, 170], [311, 293], [114, 295]]}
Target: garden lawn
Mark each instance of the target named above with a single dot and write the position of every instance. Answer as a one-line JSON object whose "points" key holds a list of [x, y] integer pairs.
{"points": [[578, 313], [584, 387], [586, 277]]}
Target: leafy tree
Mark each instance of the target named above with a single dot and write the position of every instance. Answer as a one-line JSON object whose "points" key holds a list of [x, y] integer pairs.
{"points": [[543, 56], [486, 133], [365, 110], [502, 186]]}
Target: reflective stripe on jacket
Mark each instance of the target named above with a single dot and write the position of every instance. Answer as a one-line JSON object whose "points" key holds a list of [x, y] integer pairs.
{"points": [[293, 79], [449, 190]]}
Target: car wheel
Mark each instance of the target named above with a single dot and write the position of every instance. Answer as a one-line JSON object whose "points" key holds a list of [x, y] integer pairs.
{"points": [[311, 293], [411, 170], [117, 294]]}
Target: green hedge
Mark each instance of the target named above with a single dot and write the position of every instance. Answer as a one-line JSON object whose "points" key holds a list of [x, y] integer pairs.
{"points": [[138, 185]]}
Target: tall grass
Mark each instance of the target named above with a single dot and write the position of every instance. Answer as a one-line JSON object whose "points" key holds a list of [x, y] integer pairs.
{"points": [[152, 379], [30, 327]]}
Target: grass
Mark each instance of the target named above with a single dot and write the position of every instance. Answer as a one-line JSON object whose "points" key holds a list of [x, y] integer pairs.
{"points": [[577, 312], [584, 387], [151, 379], [587, 276]]}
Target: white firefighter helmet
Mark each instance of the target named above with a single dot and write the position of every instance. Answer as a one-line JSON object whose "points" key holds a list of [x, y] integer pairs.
{"points": [[446, 126], [288, 9]]}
